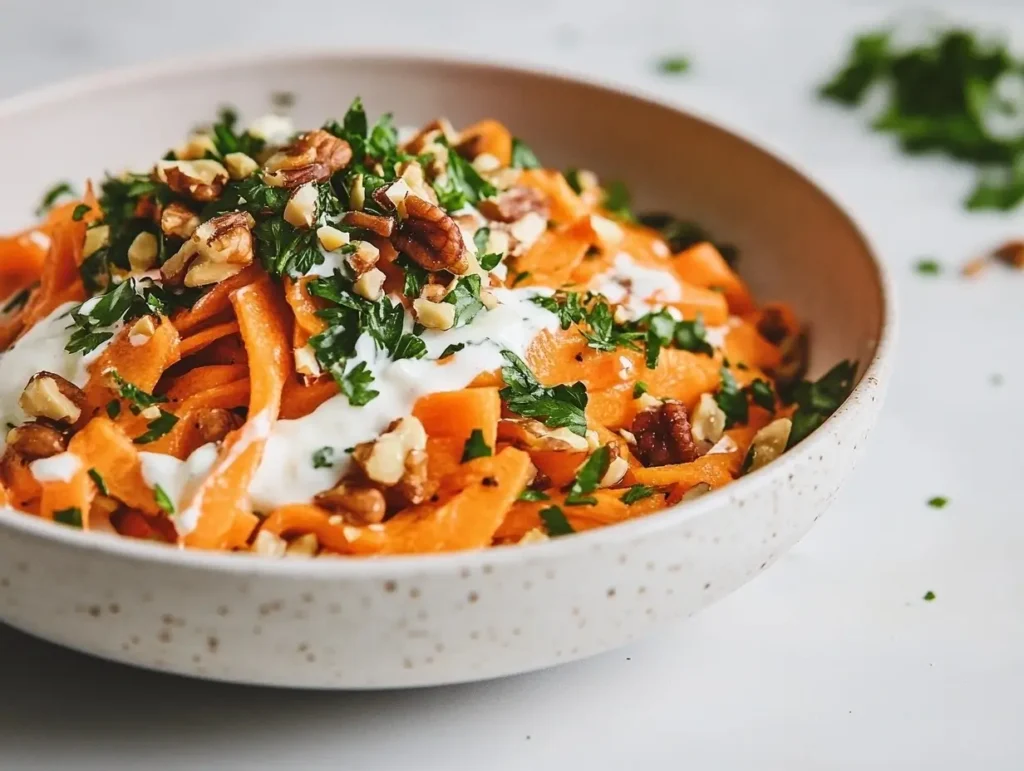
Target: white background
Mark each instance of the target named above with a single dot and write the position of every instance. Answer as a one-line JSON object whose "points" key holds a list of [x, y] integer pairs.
{"points": [[832, 660]]}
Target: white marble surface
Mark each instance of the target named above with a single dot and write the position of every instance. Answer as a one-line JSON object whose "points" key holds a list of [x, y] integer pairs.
{"points": [[829, 661]]}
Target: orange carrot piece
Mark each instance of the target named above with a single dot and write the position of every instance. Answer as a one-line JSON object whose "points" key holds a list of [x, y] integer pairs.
{"points": [[204, 378], [299, 519], [716, 470], [299, 400], [204, 337], [456, 414], [105, 447], [524, 516], [565, 205], [553, 258], [489, 136], [559, 467], [304, 307], [243, 526], [215, 302], [64, 497], [703, 265], [444, 456], [140, 365], [481, 492], [744, 344], [23, 489], [224, 493]]}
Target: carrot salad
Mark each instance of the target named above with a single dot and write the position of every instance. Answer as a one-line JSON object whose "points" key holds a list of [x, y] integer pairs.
{"points": [[356, 341]]}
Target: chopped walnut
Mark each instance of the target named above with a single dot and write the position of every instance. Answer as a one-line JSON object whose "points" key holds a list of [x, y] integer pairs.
{"points": [[218, 249], [269, 544], [300, 211], [413, 487], [359, 504], [178, 220], [1011, 253], [375, 223], [306, 545], [52, 397], [292, 178], [364, 258], [434, 315], [313, 157], [708, 420], [383, 461], [32, 441], [530, 434], [201, 180], [663, 435], [768, 443], [426, 138], [514, 204], [142, 252], [430, 237], [332, 152], [215, 423]]}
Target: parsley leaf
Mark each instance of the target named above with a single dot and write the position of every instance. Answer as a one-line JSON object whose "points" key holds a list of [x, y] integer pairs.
{"points": [[568, 306], [533, 496], [637, 493], [92, 328], [286, 250], [938, 502], [732, 400], [54, 194], [762, 394], [355, 384], [140, 399], [113, 408], [476, 447], [323, 458], [71, 517], [674, 65], [817, 400], [928, 267], [466, 299], [559, 407], [157, 428], [605, 334], [80, 211], [416, 276], [451, 350], [588, 478], [522, 155], [227, 140], [490, 261], [520, 277], [97, 479], [463, 184], [928, 596], [163, 500], [639, 389], [618, 201], [555, 522], [692, 336]]}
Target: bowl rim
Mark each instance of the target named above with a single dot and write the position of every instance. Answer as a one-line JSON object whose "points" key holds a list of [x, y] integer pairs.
{"points": [[872, 376]]}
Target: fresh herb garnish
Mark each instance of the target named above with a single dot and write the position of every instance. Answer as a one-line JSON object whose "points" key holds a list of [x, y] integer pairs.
{"points": [[817, 400], [163, 500], [54, 194], [953, 95], [928, 596], [673, 65], [71, 517], [637, 493], [938, 502], [490, 261], [113, 408], [555, 522], [692, 336], [157, 428], [605, 334], [80, 211], [466, 299], [522, 155], [520, 277], [639, 389], [533, 496], [617, 201], [559, 407], [227, 140], [285, 250], [416, 276], [462, 184], [928, 267], [762, 394], [91, 329], [451, 350], [476, 447], [356, 385], [140, 399], [323, 458], [732, 399], [588, 477], [97, 479]]}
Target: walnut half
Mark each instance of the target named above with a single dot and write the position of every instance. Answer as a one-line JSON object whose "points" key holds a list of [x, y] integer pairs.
{"points": [[430, 237], [217, 250], [663, 435]]}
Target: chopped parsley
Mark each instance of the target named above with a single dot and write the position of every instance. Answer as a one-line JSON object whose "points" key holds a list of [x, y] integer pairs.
{"points": [[462, 184], [938, 502], [555, 522], [480, 240], [323, 458], [50, 197], [416, 276], [637, 493], [673, 65], [618, 201], [732, 400], [520, 277], [113, 408], [762, 394], [72, 517], [227, 140], [97, 479], [533, 496], [945, 96], [466, 299], [588, 478], [451, 350], [476, 447], [163, 500], [817, 400], [522, 155], [139, 399], [928, 267], [92, 329], [928, 596], [639, 389], [157, 428], [80, 211], [286, 250], [561, 406]]}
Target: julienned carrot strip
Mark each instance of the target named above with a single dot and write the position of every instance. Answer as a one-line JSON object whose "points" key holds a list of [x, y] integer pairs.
{"points": [[565, 205], [304, 307], [716, 470], [480, 493], [299, 519], [223, 495], [203, 378], [21, 262], [456, 414], [103, 446], [226, 396], [524, 516], [299, 400], [215, 302], [140, 362], [199, 340]]}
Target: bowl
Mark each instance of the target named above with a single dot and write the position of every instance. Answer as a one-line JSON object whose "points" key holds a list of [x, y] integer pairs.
{"points": [[426, 620]]}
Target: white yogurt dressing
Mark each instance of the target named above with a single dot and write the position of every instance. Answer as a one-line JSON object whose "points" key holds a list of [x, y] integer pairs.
{"points": [[286, 474], [57, 468], [635, 287]]}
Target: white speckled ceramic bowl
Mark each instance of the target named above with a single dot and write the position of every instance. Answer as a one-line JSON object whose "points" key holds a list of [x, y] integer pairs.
{"points": [[443, 619]]}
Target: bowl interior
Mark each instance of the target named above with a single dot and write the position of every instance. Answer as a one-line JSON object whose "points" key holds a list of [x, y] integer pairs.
{"points": [[795, 245]]}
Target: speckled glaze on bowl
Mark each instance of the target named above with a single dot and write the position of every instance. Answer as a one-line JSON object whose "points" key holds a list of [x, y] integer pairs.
{"points": [[442, 619]]}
